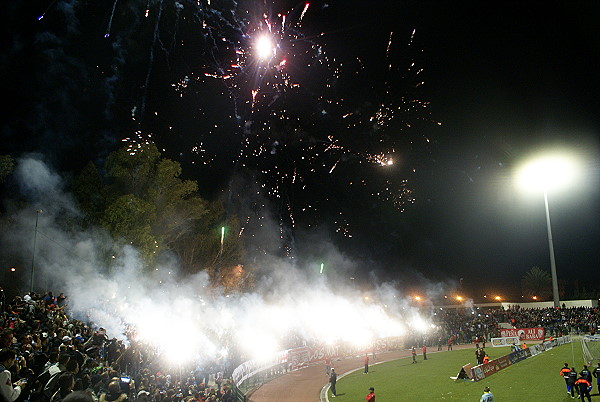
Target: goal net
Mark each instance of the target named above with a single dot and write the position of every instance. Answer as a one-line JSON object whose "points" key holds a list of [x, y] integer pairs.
{"points": [[591, 349]]}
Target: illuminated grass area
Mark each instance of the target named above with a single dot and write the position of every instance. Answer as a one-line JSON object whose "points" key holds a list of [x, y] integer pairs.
{"points": [[533, 379]]}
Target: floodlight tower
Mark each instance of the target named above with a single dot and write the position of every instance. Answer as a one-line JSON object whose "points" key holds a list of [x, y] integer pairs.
{"points": [[545, 173], [37, 216]]}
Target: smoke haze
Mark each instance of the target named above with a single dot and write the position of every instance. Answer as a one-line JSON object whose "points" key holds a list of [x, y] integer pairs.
{"points": [[290, 298]]}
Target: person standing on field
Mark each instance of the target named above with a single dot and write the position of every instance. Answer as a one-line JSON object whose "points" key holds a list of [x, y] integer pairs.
{"points": [[564, 373], [585, 373], [596, 374], [332, 381], [424, 351], [371, 396], [366, 364], [328, 366], [583, 387], [487, 395], [571, 381], [413, 351]]}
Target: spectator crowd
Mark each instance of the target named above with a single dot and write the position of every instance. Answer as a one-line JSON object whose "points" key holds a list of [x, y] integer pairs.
{"points": [[469, 324], [48, 356], [51, 357]]}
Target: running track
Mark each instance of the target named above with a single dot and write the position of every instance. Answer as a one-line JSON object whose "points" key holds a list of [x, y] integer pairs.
{"points": [[305, 385]]}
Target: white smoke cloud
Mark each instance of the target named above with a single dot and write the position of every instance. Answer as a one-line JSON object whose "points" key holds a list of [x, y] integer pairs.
{"points": [[186, 317]]}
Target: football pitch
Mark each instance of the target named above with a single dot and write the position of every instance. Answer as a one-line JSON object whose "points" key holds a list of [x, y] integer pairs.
{"points": [[533, 379]]}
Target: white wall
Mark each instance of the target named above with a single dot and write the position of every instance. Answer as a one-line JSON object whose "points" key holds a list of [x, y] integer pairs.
{"points": [[567, 303]]}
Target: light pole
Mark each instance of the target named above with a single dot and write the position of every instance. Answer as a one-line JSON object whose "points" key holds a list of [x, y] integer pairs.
{"points": [[544, 173], [551, 247], [37, 215]]}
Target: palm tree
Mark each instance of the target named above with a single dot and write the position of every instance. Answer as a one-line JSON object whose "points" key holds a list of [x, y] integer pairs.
{"points": [[538, 283]]}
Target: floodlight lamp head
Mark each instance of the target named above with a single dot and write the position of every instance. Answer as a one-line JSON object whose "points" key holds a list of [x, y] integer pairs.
{"points": [[547, 172]]}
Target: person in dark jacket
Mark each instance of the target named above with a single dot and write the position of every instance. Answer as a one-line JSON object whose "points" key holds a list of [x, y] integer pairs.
{"points": [[114, 393], [332, 381], [596, 374], [583, 387], [572, 378], [587, 374], [564, 373], [66, 382]]}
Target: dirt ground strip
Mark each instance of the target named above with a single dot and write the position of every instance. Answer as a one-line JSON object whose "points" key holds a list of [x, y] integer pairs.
{"points": [[305, 385]]}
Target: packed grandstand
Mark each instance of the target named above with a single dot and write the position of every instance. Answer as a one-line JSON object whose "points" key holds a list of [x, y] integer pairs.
{"points": [[50, 344]]}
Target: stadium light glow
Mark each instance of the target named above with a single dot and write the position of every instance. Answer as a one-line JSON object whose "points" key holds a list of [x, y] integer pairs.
{"points": [[545, 173]]}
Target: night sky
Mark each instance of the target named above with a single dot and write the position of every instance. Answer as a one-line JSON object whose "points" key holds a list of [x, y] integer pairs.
{"points": [[455, 93]]}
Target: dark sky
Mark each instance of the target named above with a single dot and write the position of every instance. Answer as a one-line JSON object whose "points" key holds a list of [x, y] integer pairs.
{"points": [[504, 80], [508, 80]]}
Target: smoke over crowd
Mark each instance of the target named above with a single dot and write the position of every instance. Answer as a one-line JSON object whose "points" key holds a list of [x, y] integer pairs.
{"points": [[185, 315]]}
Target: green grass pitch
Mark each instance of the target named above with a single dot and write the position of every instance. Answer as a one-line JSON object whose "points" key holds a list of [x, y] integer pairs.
{"points": [[533, 379]]}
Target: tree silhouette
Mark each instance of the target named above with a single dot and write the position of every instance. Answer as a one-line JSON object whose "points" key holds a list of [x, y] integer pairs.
{"points": [[537, 282]]}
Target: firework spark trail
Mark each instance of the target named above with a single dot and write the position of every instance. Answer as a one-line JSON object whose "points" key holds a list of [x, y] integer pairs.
{"points": [[258, 77], [178, 9], [110, 20], [387, 51], [412, 37], [151, 59], [303, 13], [265, 97], [47, 9]]}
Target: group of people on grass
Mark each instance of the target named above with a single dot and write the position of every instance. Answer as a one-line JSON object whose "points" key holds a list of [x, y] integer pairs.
{"points": [[579, 385]]}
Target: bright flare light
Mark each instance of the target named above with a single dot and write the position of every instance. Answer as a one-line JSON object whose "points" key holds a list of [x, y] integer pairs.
{"points": [[178, 338], [419, 324], [259, 345], [265, 49], [547, 172]]}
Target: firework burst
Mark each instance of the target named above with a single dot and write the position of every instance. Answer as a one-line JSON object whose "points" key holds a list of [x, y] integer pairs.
{"points": [[243, 87]]}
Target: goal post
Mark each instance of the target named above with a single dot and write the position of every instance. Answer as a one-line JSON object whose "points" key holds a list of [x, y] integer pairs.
{"points": [[590, 344]]}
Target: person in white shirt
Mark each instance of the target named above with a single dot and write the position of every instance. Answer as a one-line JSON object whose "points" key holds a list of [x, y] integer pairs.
{"points": [[9, 391], [487, 395]]}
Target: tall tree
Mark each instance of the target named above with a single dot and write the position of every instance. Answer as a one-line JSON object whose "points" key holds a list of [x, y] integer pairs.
{"points": [[90, 191], [142, 201], [537, 282]]}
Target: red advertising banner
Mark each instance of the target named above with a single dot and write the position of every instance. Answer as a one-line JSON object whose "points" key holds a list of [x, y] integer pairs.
{"points": [[487, 369], [525, 334]]}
